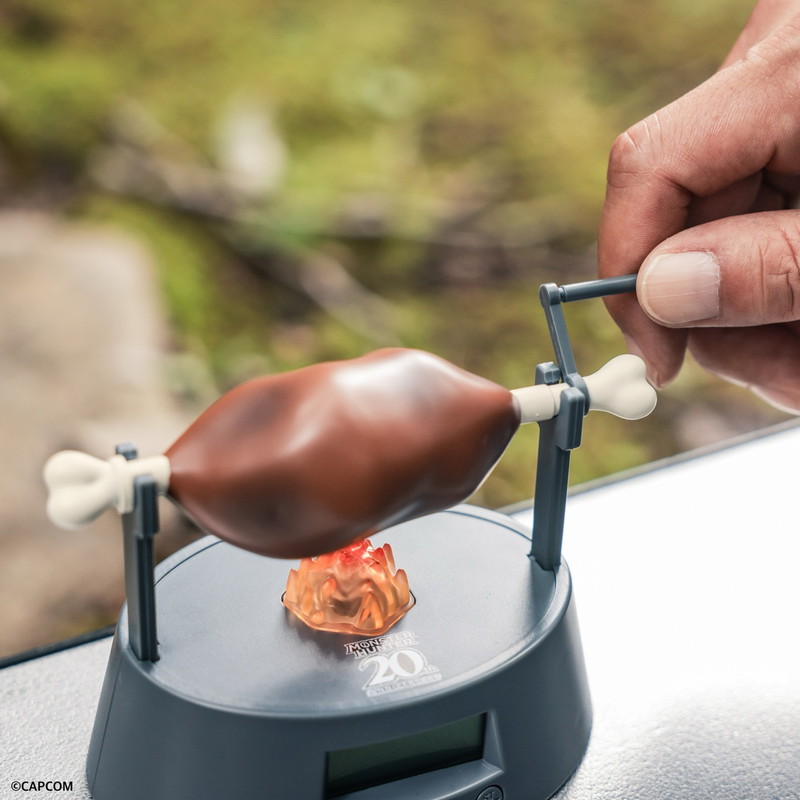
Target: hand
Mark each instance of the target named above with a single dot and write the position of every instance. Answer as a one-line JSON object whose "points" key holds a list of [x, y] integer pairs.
{"points": [[699, 201]]}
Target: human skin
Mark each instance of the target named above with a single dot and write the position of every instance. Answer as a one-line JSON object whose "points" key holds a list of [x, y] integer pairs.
{"points": [[700, 201]]}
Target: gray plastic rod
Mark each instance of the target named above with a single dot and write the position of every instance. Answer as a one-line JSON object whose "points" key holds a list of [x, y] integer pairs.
{"points": [[139, 526], [604, 287]]}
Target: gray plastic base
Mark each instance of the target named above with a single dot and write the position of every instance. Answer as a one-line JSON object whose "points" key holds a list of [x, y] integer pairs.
{"points": [[246, 702]]}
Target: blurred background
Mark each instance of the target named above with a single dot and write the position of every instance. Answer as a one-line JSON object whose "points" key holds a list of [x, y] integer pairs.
{"points": [[195, 193]]}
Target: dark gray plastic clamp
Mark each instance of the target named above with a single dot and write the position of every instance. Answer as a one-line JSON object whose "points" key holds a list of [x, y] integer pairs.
{"points": [[562, 434], [139, 527]]}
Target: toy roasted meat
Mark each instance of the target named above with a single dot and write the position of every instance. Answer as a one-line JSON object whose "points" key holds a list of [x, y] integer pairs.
{"points": [[308, 461], [305, 462]]}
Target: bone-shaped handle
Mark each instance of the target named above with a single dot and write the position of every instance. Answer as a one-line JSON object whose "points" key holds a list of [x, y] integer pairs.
{"points": [[619, 387], [82, 486]]}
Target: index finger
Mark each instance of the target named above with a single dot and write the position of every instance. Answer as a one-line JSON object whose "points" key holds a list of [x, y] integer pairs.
{"points": [[703, 143]]}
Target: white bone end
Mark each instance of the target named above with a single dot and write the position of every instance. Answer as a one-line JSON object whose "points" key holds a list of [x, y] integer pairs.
{"points": [[620, 387], [81, 487], [538, 403]]}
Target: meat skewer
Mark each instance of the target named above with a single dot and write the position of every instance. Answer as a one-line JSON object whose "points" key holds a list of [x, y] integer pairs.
{"points": [[308, 461]]}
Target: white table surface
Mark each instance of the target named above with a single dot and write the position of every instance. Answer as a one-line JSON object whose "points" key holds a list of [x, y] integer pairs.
{"points": [[688, 599]]}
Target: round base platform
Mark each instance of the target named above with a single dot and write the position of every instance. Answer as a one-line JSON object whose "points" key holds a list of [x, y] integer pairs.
{"points": [[478, 692]]}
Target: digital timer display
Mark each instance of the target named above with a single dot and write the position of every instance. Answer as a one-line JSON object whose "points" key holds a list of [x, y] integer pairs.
{"points": [[358, 768]]}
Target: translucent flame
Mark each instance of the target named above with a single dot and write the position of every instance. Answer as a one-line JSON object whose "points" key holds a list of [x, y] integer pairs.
{"points": [[354, 590]]}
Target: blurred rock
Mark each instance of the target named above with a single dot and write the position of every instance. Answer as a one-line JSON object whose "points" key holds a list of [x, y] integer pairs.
{"points": [[250, 151]]}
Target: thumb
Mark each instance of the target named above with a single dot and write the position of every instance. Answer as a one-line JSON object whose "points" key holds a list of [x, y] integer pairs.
{"points": [[733, 272]]}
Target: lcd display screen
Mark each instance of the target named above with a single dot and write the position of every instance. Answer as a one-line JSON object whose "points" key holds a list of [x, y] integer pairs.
{"points": [[359, 768]]}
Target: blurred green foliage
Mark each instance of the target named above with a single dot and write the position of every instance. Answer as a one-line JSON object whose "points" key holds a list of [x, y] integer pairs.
{"points": [[370, 95], [450, 156]]}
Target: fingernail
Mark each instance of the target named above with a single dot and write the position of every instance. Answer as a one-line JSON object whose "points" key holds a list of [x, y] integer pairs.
{"points": [[680, 287]]}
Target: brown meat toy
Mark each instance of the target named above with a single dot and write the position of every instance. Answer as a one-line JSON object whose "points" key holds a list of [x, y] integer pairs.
{"points": [[308, 461], [305, 462]]}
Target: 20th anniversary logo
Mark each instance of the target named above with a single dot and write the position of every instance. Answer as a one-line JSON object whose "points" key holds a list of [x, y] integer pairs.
{"points": [[396, 663]]}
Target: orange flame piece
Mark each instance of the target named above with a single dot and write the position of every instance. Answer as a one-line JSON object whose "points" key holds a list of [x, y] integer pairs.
{"points": [[354, 590]]}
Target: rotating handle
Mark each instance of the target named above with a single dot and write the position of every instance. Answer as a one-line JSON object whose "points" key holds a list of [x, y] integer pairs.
{"points": [[620, 388]]}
